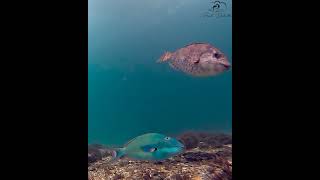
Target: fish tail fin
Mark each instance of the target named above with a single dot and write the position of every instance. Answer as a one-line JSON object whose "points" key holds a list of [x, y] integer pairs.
{"points": [[165, 57], [118, 153]]}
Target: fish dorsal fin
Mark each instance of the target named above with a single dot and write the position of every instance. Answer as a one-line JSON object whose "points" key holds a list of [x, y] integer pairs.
{"points": [[125, 145], [134, 139], [195, 43], [149, 148]]}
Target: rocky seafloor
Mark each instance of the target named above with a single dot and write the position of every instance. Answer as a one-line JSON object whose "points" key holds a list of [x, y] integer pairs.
{"points": [[207, 157]]}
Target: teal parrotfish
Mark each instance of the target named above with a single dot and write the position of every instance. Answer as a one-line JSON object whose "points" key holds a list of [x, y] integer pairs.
{"points": [[150, 146]]}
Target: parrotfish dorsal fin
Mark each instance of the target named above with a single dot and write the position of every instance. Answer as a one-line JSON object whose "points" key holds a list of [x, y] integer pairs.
{"points": [[136, 138], [130, 142]]}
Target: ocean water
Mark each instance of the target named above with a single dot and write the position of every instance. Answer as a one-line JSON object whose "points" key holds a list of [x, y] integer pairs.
{"points": [[130, 94]]}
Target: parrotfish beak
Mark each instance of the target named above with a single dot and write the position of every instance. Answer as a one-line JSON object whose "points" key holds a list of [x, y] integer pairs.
{"points": [[180, 145]]}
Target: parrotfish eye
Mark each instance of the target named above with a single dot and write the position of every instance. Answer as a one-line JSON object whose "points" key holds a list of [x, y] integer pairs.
{"points": [[167, 138]]}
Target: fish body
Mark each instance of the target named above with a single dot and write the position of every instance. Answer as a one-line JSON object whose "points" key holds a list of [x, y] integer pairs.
{"points": [[151, 146], [197, 59]]}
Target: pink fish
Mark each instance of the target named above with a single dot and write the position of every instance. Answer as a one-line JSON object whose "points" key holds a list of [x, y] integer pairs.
{"points": [[197, 59]]}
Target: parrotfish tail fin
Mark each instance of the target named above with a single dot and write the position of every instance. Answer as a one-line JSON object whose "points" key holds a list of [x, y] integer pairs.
{"points": [[165, 57], [117, 153]]}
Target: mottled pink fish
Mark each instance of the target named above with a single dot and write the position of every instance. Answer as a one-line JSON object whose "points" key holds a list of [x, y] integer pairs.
{"points": [[197, 59]]}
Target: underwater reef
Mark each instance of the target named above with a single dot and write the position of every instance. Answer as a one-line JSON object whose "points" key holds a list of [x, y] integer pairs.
{"points": [[207, 156]]}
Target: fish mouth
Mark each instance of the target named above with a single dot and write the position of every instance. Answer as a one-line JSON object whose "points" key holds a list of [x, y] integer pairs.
{"points": [[181, 146], [226, 65], [179, 149]]}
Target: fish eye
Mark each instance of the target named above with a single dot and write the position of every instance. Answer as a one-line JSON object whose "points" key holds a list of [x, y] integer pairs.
{"points": [[217, 55], [167, 138]]}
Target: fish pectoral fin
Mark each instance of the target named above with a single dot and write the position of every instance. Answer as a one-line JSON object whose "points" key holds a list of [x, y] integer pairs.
{"points": [[153, 149], [148, 148], [196, 61], [173, 67]]}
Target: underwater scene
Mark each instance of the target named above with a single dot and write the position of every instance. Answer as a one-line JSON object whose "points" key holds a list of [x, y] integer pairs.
{"points": [[160, 89]]}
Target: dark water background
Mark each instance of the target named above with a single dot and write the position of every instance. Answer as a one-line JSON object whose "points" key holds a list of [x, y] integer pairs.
{"points": [[130, 94]]}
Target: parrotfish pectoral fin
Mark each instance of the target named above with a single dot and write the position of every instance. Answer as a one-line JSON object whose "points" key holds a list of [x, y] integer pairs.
{"points": [[117, 153], [148, 148]]}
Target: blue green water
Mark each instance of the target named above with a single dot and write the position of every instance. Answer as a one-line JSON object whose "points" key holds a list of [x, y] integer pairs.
{"points": [[130, 94]]}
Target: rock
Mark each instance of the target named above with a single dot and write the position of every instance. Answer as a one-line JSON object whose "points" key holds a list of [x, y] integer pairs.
{"points": [[96, 152], [198, 156], [207, 157], [179, 177], [189, 139], [214, 140], [117, 176], [147, 176], [204, 164], [204, 140], [93, 155]]}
